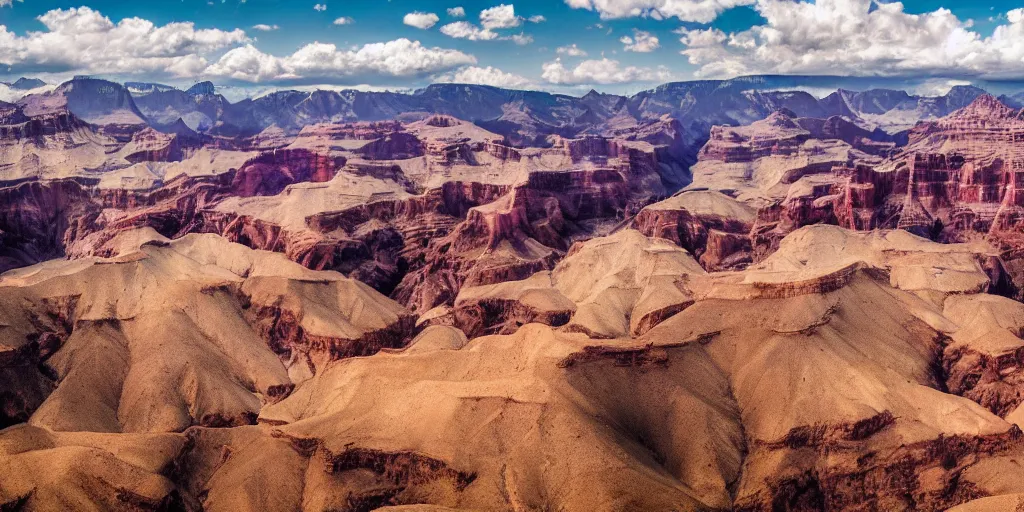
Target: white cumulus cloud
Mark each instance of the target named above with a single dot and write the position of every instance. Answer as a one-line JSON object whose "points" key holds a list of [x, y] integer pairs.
{"points": [[495, 18], [83, 40], [456, 12], [501, 16], [344, 20], [601, 71], [572, 51], [485, 76], [467, 30], [700, 11], [421, 20], [857, 37], [641, 42], [398, 58], [320, 7], [262, 27], [521, 39]]}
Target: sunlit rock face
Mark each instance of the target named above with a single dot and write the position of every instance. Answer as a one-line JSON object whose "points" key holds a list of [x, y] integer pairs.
{"points": [[298, 375], [702, 297]]}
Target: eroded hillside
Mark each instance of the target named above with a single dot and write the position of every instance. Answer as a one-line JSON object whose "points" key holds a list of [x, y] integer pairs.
{"points": [[529, 302]]}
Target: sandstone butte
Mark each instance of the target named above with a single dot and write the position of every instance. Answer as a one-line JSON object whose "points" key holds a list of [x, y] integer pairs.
{"points": [[423, 314]]}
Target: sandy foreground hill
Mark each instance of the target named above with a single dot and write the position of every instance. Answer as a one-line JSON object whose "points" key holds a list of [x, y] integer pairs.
{"points": [[220, 308], [848, 371]]}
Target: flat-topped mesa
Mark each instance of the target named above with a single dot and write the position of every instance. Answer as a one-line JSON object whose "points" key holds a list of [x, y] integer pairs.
{"points": [[453, 199], [151, 145], [446, 153], [544, 209], [778, 134], [582, 194], [269, 173], [333, 137], [986, 130], [394, 146], [21, 127], [591, 147], [629, 157], [442, 121], [713, 227], [352, 131], [178, 193], [502, 152]]}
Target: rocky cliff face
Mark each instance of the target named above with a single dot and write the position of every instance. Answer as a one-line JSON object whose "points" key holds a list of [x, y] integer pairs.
{"points": [[953, 181], [516, 235], [250, 357], [39, 220], [95, 101], [339, 311], [269, 173]]}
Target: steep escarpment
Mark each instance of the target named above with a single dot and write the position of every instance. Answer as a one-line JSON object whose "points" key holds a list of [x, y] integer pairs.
{"points": [[374, 200], [38, 220], [952, 181], [883, 378], [201, 332], [640, 282], [299, 302], [524, 231], [712, 226]]}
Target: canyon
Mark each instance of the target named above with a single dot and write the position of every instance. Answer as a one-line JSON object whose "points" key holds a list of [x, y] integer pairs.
{"points": [[707, 296]]}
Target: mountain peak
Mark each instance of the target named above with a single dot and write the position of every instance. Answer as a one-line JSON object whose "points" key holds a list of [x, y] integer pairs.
{"points": [[202, 89], [25, 84], [181, 129], [782, 118], [960, 89], [783, 111], [985, 106]]}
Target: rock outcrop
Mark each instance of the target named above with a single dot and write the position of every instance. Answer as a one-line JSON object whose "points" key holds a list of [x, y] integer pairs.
{"points": [[953, 181], [203, 330], [360, 301], [845, 370]]}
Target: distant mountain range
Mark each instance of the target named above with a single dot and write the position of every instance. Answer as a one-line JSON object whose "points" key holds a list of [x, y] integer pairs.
{"points": [[25, 84], [683, 111]]}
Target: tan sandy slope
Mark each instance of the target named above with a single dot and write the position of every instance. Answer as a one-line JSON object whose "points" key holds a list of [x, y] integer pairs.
{"points": [[824, 378]]}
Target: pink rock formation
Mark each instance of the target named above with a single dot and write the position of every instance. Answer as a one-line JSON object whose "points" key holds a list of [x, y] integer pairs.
{"points": [[954, 180], [269, 173]]}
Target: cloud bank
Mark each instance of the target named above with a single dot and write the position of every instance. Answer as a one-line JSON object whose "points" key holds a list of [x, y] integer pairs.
{"points": [[857, 37]]}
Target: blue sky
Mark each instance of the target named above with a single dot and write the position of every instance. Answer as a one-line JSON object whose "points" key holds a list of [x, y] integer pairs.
{"points": [[667, 40]]}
